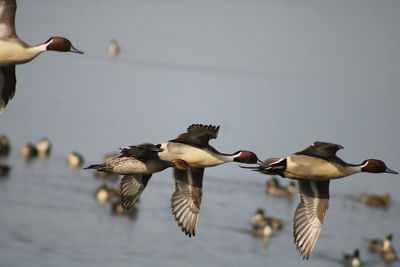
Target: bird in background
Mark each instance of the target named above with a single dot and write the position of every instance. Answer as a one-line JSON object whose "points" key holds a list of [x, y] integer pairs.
{"points": [[14, 51], [113, 48], [384, 247], [376, 200], [352, 260], [275, 189], [193, 148], [313, 168]]}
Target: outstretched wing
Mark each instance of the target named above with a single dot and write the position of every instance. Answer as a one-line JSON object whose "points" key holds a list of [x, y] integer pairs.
{"points": [[186, 199], [198, 134], [321, 150], [309, 215], [7, 85], [132, 187]]}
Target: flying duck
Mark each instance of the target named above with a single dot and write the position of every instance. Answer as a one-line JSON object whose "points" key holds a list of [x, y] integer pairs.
{"points": [[313, 168], [14, 51], [137, 164], [193, 148]]}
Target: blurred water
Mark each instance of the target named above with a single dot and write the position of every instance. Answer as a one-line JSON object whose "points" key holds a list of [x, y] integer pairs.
{"points": [[276, 75]]}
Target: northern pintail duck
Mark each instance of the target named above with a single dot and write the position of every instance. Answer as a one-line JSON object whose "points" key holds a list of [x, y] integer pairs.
{"points": [[74, 160], [43, 147], [275, 189], [193, 148], [260, 220], [5, 146], [264, 231], [104, 193], [137, 163], [14, 51], [313, 168], [384, 247], [352, 260], [107, 175], [376, 200], [28, 151]]}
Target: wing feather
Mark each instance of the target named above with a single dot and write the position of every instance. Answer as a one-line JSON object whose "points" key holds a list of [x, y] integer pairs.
{"points": [[198, 134], [186, 199], [132, 187], [309, 215]]}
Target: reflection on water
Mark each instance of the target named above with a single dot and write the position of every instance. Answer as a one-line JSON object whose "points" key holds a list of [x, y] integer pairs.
{"points": [[276, 77]]}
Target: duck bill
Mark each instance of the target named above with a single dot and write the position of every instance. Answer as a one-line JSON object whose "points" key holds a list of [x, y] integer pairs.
{"points": [[391, 171], [75, 50]]}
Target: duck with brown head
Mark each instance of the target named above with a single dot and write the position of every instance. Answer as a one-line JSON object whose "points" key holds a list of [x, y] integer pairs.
{"points": [[61, 44], [313, 168], [375, 166], [14, 51], [193, 148]]}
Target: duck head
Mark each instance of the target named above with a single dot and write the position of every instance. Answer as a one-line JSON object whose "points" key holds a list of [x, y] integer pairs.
{"points": [[260, 211], [61, 44], [376, 166], [245, 156]]}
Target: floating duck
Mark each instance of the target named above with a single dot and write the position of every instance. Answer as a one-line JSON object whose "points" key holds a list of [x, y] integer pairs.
{"points": [[28, 151], [376, 200], [43, 147], [5, 146], [384, 247], [260, 220], [113, 48], [352, 260], [275, 189], [104, 193], [75, 160]]}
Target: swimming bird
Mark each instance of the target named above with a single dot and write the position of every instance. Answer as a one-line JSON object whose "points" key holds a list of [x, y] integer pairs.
{"points": [[14, 51], [352, 260], [193, 148], [28, 151], [376, 200], [385, 247], [137, 163], [5, 146], [74, 160], [275, 189], [313, 168], [113, 48], [43, 147], [260, 220], [105, 193]]}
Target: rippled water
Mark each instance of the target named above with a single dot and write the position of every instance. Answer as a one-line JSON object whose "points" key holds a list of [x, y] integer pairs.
{"points": [[275, 75]]}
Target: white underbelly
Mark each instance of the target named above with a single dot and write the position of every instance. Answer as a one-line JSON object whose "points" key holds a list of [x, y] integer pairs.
{"points": [[195, 157], [311, 168]]}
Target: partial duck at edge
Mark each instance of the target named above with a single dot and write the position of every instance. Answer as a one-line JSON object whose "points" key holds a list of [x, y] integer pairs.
{"points": [[14, 51], [313, 168]]}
